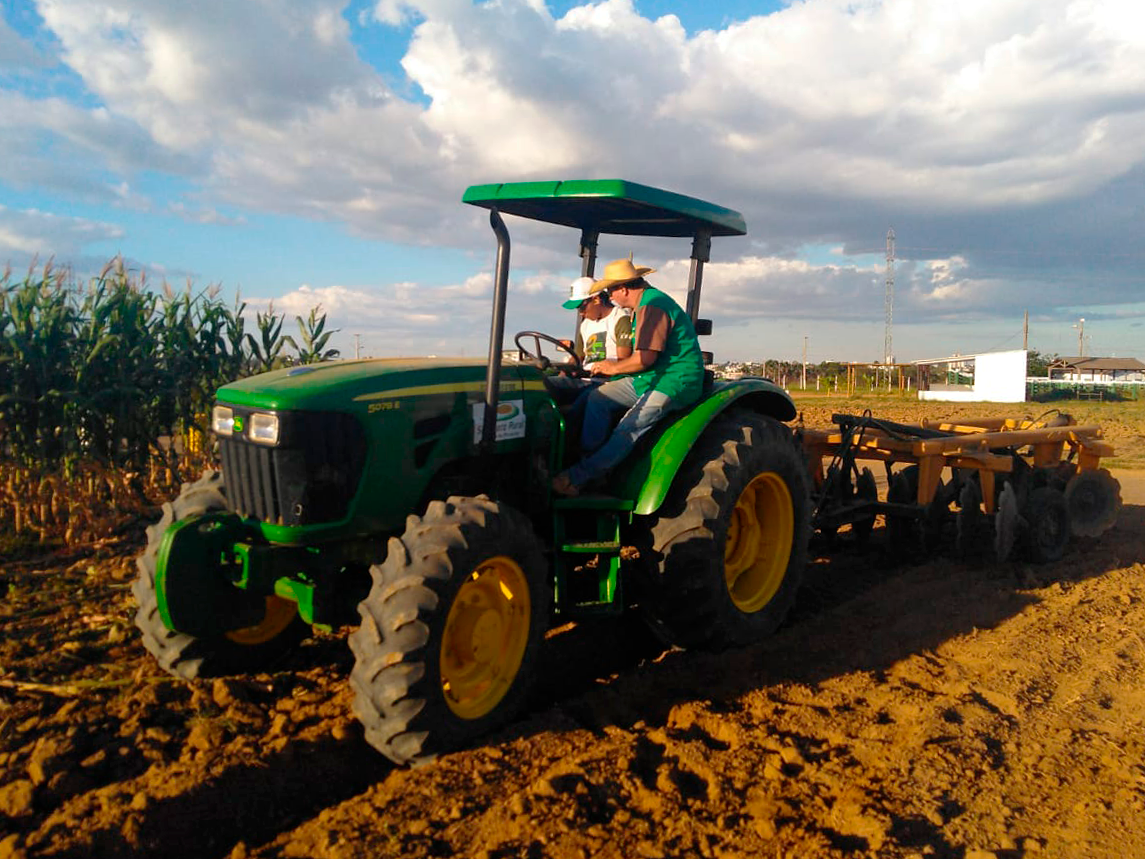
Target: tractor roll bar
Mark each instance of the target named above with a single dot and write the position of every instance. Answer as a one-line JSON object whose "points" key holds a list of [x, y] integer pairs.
{"points": [[497, 330], [588, 241], [701, 253]]}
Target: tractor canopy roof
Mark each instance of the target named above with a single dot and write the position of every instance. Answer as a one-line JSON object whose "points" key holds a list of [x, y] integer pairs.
{"points": [[609, 206]]}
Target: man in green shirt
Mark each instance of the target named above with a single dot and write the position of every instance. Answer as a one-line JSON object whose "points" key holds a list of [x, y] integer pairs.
{"points": [[665, 372]]}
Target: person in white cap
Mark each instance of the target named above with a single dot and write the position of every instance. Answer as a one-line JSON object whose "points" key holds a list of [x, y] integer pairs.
{"points": [[664, 373], [605, 330]]}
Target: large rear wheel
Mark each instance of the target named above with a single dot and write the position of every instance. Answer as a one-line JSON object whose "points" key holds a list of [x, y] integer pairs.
{"points": [[450, 630], [275, 628], [730, 540]]}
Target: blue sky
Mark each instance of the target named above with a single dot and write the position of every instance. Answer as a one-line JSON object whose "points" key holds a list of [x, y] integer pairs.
{"points": [[315, 151]]}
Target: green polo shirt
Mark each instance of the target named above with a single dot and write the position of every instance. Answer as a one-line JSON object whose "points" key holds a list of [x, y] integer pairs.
{"points": [[663, 327]]}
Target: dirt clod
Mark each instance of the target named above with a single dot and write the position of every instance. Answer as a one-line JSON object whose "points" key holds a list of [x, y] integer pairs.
{"points": [[10, 848], [16, 798]]}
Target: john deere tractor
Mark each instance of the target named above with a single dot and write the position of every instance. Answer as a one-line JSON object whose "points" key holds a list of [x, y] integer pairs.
{"points": [[418, 490]]}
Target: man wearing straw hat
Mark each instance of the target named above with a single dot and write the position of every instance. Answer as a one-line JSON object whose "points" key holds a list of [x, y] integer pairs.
{"points": [[665, 372], [603, 331]]}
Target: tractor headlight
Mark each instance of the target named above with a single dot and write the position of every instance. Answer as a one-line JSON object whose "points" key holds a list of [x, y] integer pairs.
{"points": [[263, 428], [222, 420]]}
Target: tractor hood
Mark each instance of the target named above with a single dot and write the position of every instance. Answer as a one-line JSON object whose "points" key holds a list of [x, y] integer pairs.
{"points": [[343, 385]]}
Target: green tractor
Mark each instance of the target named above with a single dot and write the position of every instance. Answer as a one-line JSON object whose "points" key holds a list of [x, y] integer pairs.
{"points": [[418, 491]]}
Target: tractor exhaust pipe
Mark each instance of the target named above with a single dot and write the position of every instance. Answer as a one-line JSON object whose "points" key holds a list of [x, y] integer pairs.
{"points": [[496, 332]]}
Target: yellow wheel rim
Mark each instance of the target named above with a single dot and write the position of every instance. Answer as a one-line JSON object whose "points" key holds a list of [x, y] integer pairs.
{"points": [[485, 637], [758, 543], [278, 616]]}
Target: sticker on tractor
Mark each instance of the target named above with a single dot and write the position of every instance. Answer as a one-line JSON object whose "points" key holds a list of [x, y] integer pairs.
{"points": [[510, 420]]}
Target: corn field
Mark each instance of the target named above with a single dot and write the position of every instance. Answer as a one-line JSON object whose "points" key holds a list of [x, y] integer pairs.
{"points": [[105, 389]]}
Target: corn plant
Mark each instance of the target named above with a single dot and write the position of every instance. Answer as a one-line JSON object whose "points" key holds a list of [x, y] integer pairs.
{"points": [[105, 389], [36, 384], [266, 351], [314, 339], [116, 367]]}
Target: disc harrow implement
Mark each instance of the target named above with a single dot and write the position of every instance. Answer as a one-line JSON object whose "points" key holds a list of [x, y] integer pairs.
{"points": [[1035, 482]]}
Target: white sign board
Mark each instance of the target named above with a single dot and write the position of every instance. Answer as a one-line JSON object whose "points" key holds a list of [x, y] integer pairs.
{"points": [[510, 420]]}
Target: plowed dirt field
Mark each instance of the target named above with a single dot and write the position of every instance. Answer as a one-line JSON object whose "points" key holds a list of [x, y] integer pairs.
{"points": [[944, 708]]}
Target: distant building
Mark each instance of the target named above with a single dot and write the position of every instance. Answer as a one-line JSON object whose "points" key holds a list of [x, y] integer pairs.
{"points": [[1083, 369], [989, 377]]}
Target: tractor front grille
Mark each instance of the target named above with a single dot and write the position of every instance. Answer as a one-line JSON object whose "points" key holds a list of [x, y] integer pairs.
{"points": [[308, 478]]}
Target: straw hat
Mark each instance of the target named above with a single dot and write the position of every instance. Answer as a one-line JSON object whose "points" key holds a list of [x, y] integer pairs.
{"points": [[619, 272], [580, 289]]}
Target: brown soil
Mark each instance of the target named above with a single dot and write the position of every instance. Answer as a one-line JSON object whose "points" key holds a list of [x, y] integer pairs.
{"points": [[944, 709]]}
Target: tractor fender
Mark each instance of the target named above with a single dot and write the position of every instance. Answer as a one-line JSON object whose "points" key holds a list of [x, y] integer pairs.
{"points": [[649, 474], [193, 591]]}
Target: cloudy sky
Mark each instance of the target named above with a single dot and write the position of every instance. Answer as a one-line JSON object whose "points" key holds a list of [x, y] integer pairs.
{"points": [[315, 152]]}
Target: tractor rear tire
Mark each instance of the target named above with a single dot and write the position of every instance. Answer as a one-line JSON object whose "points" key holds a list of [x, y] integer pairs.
{"points": [[451, 629], [730, 539], [187, 656]]}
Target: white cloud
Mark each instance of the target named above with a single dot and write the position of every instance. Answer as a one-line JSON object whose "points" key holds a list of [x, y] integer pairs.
{"points": [[87, 142], [396, 319], [191, 73], [29, 233], [202, 215], [969, 125], [921, 105]]}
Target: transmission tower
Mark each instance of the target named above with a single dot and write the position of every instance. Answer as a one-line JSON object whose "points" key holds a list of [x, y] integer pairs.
{"points": [[889, 306]]}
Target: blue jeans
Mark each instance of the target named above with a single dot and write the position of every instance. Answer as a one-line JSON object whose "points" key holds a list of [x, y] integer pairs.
{"points": [[568, 387], [641, 413]]}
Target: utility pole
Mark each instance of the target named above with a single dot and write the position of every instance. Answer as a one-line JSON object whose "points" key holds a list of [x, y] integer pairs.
{"points": [[805, 362], [1080, 337], [357, 345], [889, 307], [1026, 330]]}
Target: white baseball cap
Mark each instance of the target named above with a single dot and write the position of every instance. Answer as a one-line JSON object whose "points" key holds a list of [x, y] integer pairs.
{"points": [[578, 292]]}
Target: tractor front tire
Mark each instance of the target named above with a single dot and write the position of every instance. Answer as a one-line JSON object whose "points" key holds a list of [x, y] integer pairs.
{"points": [[187, 656], [730, 540], [451, 629]]}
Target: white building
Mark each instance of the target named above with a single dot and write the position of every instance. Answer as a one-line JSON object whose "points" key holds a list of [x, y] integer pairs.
{"points": [[988, 377]]}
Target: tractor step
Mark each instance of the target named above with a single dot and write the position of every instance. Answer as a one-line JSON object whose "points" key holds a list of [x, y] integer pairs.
{"points": [[584, 526], [606, 547], [594, 502]]}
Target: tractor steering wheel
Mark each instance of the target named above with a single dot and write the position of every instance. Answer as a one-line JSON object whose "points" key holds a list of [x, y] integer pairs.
{"points": [[573, 367]]}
